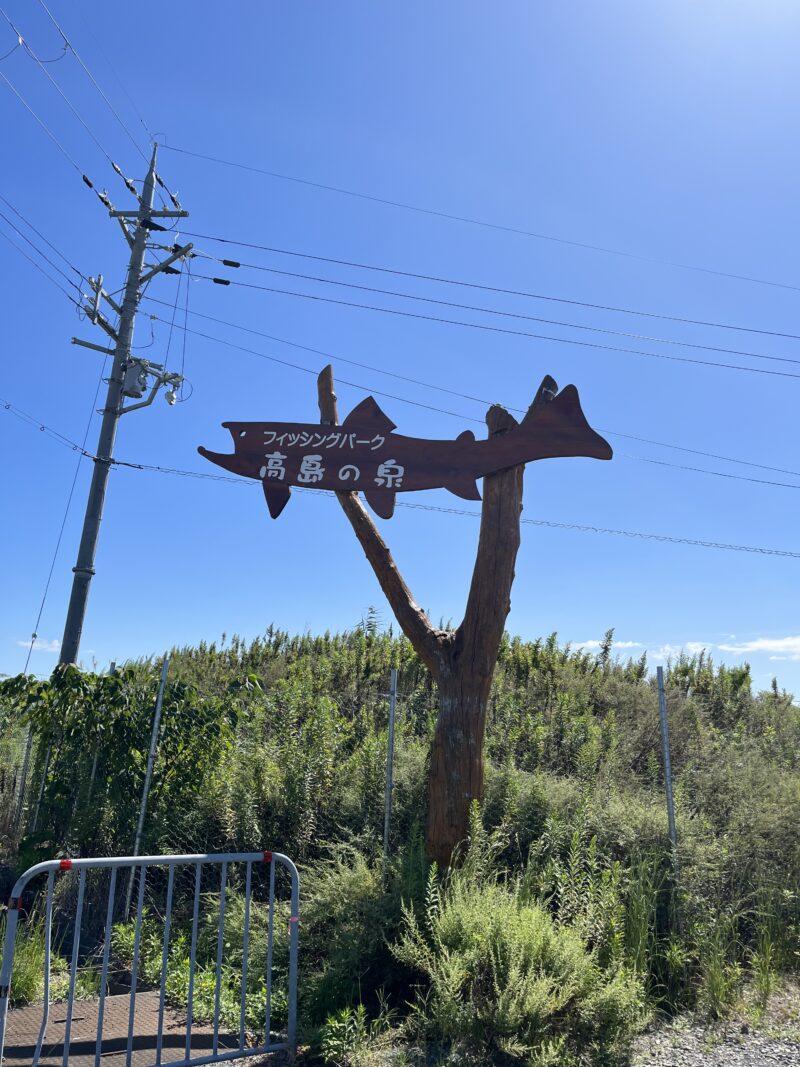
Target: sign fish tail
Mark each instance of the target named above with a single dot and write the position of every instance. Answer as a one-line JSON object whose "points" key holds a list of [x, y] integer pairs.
{"points": [[564, 416]]}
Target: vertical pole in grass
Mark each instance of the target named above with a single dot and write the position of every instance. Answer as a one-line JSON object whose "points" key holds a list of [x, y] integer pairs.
{"points": [[151, 755], [662, 702], [673, 833], [389, 761]]}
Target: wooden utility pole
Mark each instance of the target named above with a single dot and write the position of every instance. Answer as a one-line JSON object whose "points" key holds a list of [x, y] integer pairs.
{"points": [[461, 661]]}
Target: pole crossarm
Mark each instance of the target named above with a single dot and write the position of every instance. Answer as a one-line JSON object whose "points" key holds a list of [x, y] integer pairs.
{"points": [[178, 254], [143, 214], [100, 320], [89, 344]]}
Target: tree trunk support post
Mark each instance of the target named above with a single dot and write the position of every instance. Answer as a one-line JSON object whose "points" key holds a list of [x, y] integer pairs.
{"points": [[461, 661]]}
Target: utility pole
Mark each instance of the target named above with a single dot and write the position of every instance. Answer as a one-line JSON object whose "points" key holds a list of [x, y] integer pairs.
{"points": [[130, 377]]}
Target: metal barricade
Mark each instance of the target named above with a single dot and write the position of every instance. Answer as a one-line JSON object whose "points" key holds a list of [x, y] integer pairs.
{"points": [[139, 866]]}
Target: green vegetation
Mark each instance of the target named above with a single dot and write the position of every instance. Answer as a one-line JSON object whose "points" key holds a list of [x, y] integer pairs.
{"points": [[29, 968], [564, 926]]}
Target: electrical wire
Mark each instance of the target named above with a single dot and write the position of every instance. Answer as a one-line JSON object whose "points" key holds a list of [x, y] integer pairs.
{"points": [[552, 524], [46, 129], [703, 470], [509, 314], [497, 329], [29, 51], [120, 83], [42, 237], [481, 222], [185, 324], [12, 409], [492, 288], [172, 320], [453, 392], [462, 417], [81, 449], [41, 269], [311, 370], [93, 80], [44, 255]]}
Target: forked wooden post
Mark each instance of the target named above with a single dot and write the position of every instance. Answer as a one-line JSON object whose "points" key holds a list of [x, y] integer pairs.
{"points": [[461, 661]]}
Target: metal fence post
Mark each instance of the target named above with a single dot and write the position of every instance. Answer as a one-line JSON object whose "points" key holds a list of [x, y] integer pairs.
{"points": [[45, 769], [662, 702], [23, 781], [389, 760], [147, 778]]}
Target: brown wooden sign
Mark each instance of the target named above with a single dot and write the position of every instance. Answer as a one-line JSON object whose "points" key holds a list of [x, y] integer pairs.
{"points": [[364, 454]]}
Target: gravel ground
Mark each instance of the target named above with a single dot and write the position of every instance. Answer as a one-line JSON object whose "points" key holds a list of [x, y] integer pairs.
{"points": [[742, 1041]]}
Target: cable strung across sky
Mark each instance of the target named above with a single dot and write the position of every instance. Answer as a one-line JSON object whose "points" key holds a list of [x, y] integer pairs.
{"points": [[505, 314], [430, 385], [495, 329], [480, 222], [549, 523], [490, 288]]}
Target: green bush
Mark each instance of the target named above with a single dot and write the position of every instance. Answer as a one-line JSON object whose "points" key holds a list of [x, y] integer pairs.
{"points": [[500, 973]]}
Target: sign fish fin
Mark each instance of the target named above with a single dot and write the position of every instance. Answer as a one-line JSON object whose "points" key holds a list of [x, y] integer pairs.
{"points": [[467, 437], [368, 413], [464, 486], [277, 497], [381, 501]]}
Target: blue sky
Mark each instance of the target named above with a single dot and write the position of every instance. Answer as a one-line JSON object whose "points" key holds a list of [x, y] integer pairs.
{"points": [[665, 131]]}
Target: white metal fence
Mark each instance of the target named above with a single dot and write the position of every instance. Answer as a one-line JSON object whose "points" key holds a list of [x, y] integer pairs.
{"points": [[250, 867]]}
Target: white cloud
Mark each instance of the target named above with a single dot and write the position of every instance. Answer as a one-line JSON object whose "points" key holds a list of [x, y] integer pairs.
{"points": [[41, 644], [591, 645], [782, 648], [665, 652]]}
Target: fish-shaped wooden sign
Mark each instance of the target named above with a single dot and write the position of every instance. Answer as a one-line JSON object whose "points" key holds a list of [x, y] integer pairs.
{"points": [[364, 454]]}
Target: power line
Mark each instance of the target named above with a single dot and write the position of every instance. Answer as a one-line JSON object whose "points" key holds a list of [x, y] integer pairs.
{"points": [[444, 389], [449, 511], [93, 80], [551, 524], [620, 533], [702, 470], [12, 409], [311, 370], [81, 449], [478, 222], [492, 288], [41, 269], [172, 320], [497, 329], [443, 411], [506, 314], [121, 84], [699, 452], [44, 255], [29, 51], [46, 129], [185, 320], [42, 237]]}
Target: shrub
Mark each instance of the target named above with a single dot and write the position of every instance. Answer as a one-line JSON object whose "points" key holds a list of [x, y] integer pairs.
{"points": [[502, 975]]}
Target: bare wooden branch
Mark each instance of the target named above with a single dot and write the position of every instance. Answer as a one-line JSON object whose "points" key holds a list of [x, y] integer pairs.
{"points": [[427, 641]]}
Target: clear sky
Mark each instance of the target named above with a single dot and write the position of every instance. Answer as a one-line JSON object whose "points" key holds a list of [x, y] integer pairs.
{"points": [[666, 131]]}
